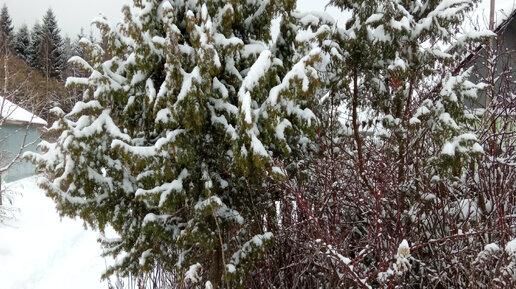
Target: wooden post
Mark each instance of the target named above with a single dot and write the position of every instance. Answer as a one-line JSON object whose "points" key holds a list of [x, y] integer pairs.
{"points": [[491, 44], [491, 15]]}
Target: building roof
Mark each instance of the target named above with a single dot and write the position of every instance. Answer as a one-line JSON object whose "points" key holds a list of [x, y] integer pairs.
{"points": [[504, 21], [13, 113]]}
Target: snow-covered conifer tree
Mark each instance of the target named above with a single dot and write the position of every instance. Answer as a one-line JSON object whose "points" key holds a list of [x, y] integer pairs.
{"points": [[175, 143], [77, 49], [36, 38], [6, 29], [46, 50], [53, 56], [21, 43]]}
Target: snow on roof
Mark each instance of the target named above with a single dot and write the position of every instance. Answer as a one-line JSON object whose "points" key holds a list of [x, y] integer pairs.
{"points": [[504, 13], [13, 113], [501, 22], [504, 21]]}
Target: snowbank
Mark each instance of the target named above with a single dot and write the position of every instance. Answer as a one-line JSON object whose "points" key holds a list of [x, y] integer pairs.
{"points": [[38, 250]]}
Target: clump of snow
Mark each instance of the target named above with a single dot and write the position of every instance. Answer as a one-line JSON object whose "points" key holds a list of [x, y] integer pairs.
{"points": [[448, 149], [280, 129], [230, 268], [510, 248], [255, 244], [278, 170], [404, 249], [300, 70], [190, 79], [334, 253], [258, 147], [219, 209], [464, 209], [489, 250], [402, 264], [460, 144], [192, 274], [144, 257], [165, 189], [257, 71]]}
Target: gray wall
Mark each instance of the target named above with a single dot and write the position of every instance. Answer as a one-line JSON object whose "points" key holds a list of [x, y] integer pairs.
{"points": [[11, 139], [505, 45]]}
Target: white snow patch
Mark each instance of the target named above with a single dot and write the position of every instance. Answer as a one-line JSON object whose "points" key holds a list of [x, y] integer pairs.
{"points": [[510, 248], [192, 274], [258, 147], [43, 251], [257, 71]]}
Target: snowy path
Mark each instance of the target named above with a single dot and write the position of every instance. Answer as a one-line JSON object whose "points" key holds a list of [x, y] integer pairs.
{"points": [[41, 251]]}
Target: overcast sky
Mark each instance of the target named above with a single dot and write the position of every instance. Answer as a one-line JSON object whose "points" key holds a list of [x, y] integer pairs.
{"points": [[71, 14], [74, 14]]}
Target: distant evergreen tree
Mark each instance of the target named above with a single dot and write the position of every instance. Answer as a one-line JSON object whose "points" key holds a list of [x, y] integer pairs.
{"points": [[34, 51], [54, 56], [73, 70], [6, 30], [77, 48], [67, 52], [46, 51], [74, 48], [21, 43], [175, 143], [67, 47]]}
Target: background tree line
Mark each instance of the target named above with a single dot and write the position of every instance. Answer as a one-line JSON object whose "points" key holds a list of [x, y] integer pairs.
{"points": [[37, 63]]}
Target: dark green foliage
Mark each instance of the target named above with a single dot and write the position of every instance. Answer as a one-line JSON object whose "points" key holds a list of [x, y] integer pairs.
{"points": [[54, 56], [33, 58], [6, 30], [21, 43], [175, 144], [46, 51]]}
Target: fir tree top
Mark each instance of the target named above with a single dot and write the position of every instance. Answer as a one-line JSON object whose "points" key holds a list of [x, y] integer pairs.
{"points": [[21, 42], [6, 24], [50, 23], [46, 51], [6, 28]]}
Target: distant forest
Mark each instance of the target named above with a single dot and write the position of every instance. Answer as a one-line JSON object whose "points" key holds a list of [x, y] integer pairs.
{"points": [[35, 64]]}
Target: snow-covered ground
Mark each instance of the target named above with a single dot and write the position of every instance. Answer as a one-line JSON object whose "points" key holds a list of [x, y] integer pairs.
{"points": [[39, 250]]}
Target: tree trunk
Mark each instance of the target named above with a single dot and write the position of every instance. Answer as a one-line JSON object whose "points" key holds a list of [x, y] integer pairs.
{"points": [[216, 269]]}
